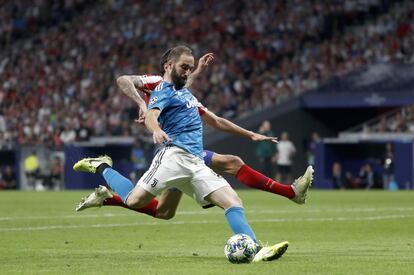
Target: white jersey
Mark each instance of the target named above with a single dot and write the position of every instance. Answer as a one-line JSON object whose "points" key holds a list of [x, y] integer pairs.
{"points": [[286, 149]]}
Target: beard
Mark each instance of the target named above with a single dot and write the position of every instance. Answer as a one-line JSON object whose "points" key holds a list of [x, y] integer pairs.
{"points": [[178, 81]]}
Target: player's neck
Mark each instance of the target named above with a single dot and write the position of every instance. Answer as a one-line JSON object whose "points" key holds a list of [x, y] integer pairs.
{"points": [[167, 78]]}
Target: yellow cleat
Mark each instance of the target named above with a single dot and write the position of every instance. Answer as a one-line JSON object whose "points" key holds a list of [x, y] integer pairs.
{"points": [[270, 253], [89, 165], [95, 199], [301, 186]]}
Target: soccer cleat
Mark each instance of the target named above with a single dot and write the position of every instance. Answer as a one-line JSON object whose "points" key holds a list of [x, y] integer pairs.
{"points": [[89, 165], [270, 253], [301, 186], [95, 199]]}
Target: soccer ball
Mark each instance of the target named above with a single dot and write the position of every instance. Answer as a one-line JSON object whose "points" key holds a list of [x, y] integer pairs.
{"points": [[240, 248]]}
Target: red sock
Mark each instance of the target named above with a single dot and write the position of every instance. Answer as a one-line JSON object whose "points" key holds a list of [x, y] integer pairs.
{"points": [[255, 179], [149, 209]]}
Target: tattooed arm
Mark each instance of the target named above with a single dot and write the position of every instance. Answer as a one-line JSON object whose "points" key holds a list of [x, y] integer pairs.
{"points": [[129, 85]]}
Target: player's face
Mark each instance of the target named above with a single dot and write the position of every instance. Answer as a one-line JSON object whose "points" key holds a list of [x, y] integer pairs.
{"points": [[181, 70]]}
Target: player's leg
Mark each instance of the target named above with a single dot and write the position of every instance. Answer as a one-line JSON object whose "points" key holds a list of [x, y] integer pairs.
{"points": [[118, 183], [149, 209], [225, 197], [209, 187], [234, 165], [168, 204], [164, 172], [102, 196], [138, 197], [103, 166], [223, 164], [164, 208]]}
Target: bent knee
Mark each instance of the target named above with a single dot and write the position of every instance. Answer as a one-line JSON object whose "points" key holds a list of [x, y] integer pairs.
{"points": [[233, 164], [233, 200], [235, 160], [237, 202]]}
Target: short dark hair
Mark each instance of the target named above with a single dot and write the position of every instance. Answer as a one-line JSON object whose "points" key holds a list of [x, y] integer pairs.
{"points": [[173, 54]]}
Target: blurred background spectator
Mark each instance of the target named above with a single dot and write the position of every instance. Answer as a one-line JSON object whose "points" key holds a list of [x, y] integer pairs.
{"points": [[7, 178], [311, 147], [56, 174], [265, 151], [388, 176], [32, 169], [284, 158], [368, 178], [340, 178]]}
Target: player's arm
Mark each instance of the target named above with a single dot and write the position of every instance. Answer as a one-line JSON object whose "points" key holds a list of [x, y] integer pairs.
{"points": [[151, 122], [129, 85], [203, 63], [225, 125]]}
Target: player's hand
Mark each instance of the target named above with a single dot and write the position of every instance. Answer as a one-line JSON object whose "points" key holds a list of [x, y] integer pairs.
{"points": [[141, 117], [160, 136], [259, 137], [205, 60]]}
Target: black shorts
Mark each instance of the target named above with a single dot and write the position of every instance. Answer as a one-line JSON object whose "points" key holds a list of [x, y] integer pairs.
{"points": [[284, 169]]}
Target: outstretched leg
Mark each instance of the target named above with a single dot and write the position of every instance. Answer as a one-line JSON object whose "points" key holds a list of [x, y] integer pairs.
{"points": [[234, 165]]}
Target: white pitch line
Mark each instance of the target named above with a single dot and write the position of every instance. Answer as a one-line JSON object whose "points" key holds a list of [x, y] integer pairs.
{"points": [[209, 212], [52, 227]]}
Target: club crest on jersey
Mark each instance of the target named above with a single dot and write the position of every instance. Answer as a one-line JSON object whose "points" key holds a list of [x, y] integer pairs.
{"points": [[153, 100]]}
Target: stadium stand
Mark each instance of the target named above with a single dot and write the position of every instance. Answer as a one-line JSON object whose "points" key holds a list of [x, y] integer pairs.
{"points": [[59, 59], [397, 121], [53, 77]]}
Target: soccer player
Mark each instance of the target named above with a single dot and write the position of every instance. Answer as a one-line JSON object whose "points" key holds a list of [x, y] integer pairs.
{"points": [[166, 206], [178, 162]]}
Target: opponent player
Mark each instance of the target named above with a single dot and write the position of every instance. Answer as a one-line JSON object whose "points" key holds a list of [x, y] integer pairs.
{"points": [[179, 162], [166, 207]]}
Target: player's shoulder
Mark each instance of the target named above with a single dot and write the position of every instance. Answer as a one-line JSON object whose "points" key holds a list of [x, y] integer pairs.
{"points": [[164, 87], [150, 82], [150, 78]]}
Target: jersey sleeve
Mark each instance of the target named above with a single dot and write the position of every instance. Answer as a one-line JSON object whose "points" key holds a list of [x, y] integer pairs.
{"points": [[150, 82], [159, 100], [201, 108]]}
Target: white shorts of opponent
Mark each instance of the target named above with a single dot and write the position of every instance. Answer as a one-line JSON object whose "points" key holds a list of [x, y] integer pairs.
{"points": [[175, 167]]}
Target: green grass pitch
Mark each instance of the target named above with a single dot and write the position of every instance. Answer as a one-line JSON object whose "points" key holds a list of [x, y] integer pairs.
{"points": [[334, 233]]}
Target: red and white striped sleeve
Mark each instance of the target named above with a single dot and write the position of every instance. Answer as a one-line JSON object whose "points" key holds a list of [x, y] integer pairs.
{"points": [[150, 82]]}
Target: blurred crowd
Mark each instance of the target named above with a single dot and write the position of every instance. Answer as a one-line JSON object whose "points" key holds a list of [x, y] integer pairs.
{"points": [[401, 121], [373, 174], [58, 80], [21, 18]]}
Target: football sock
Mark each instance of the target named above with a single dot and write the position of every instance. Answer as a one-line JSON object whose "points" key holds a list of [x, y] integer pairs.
{"points": [[238, 223], [118, 183], [255, 179], [102, 167], [149, 209]]}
